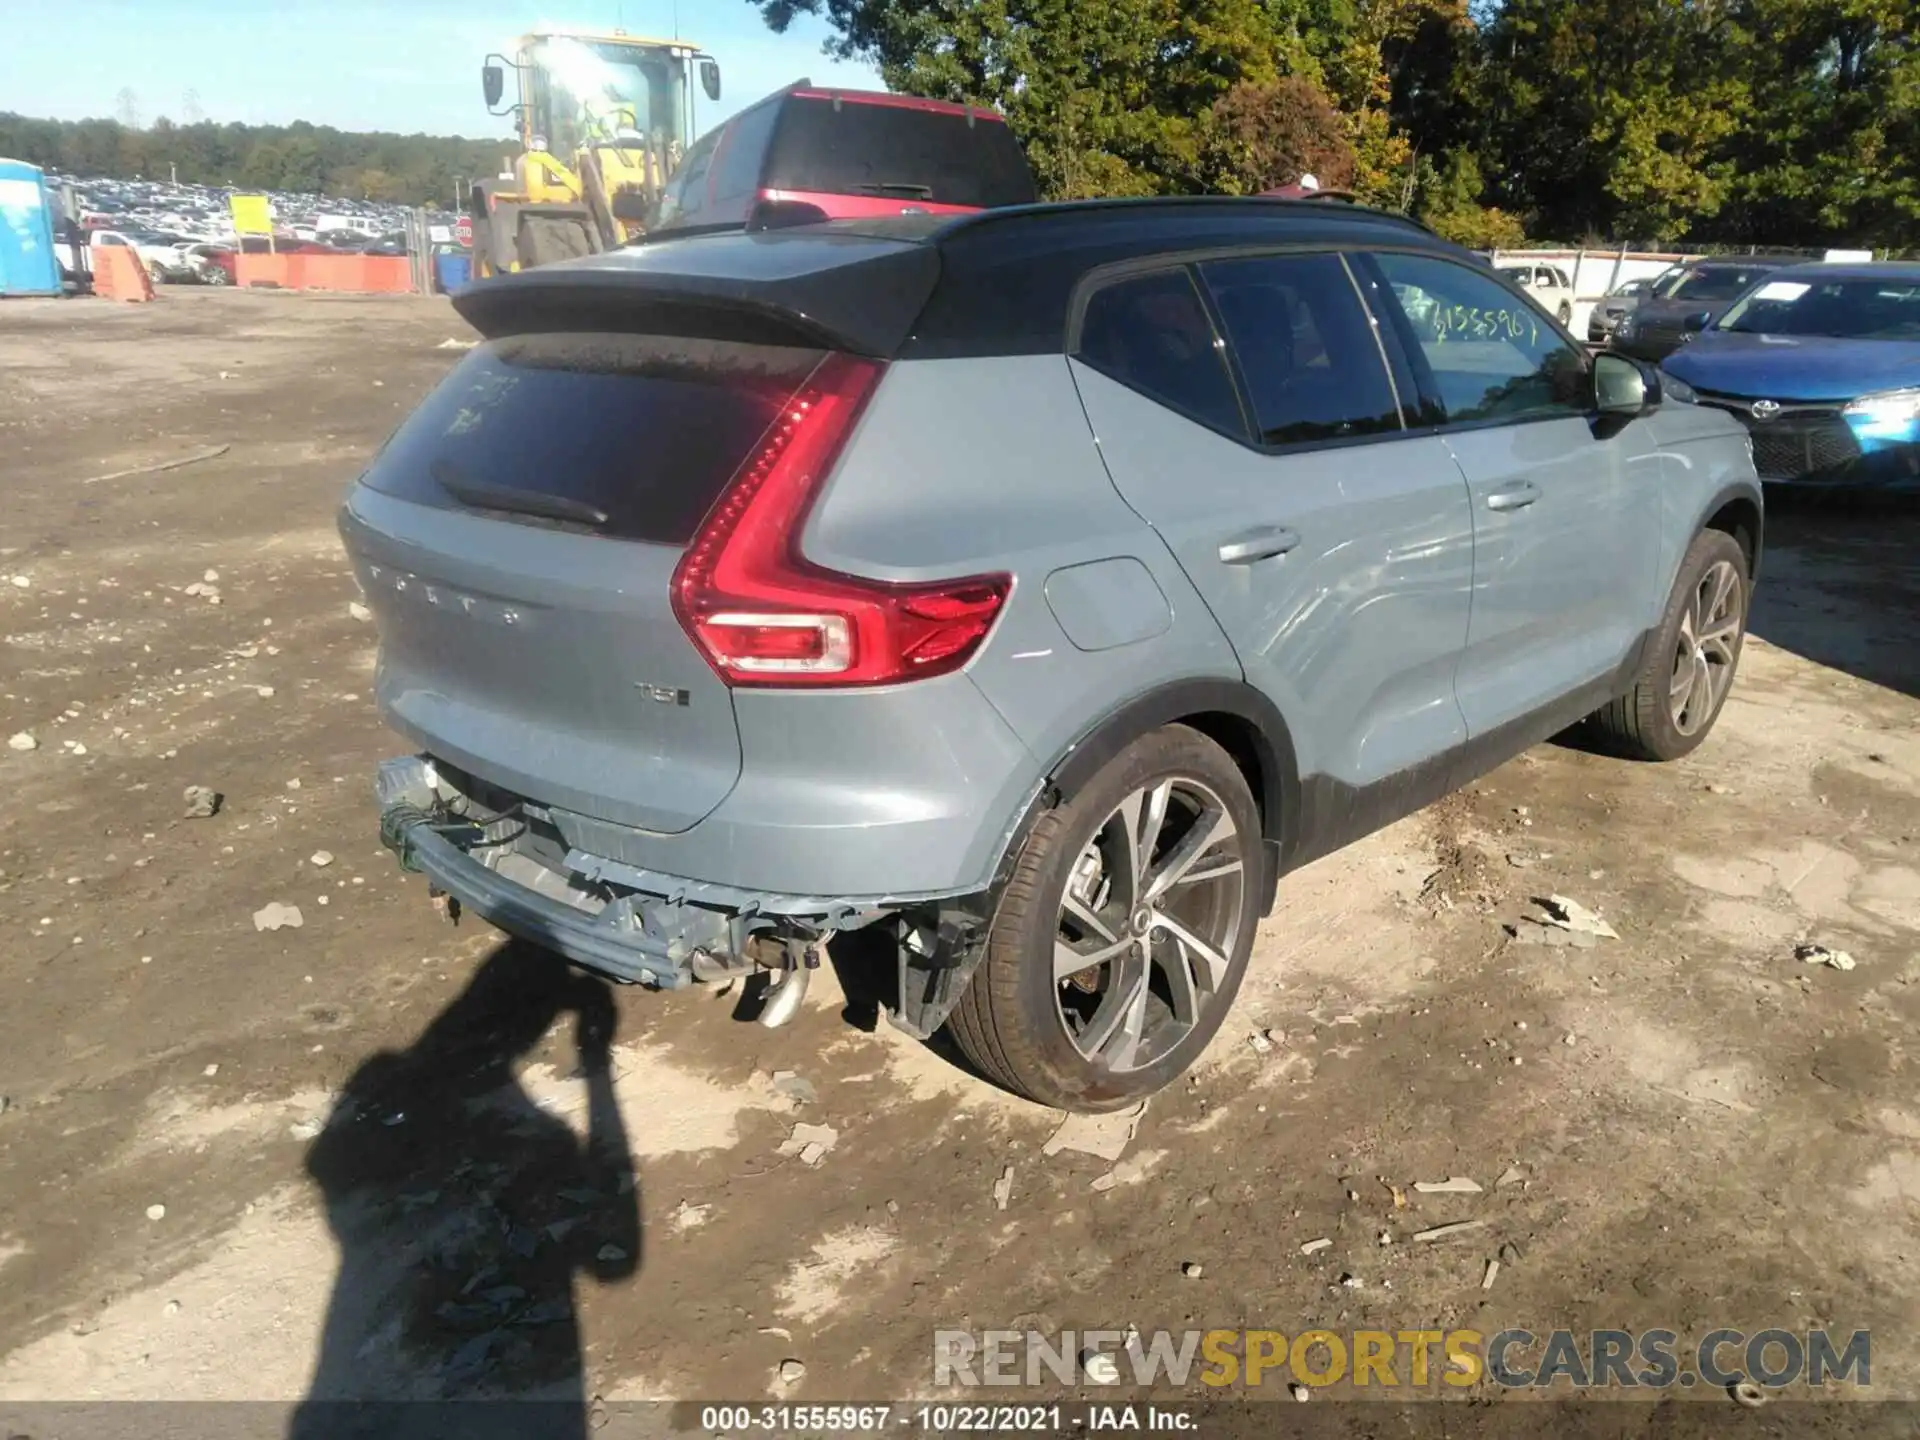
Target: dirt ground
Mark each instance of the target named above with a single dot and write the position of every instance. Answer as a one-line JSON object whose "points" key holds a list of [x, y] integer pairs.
{"points": [[1703, 1130]]}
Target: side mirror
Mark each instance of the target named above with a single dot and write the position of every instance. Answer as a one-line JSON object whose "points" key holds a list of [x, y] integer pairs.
{"points": [[710, 78], [1696, 322], [1623, 387], [493, 84]]}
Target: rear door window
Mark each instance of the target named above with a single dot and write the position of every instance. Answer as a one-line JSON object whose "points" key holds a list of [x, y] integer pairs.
{"points": [[897, 152], [1305, 347], [558, 429], [1152, 334]]}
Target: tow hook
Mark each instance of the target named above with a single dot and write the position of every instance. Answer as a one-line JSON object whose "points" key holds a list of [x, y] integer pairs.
{"points": [[783, 997], [397, 824]]}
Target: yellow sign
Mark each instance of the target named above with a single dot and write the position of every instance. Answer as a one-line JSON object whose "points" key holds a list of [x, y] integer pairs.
{"points": [[252, 214]]}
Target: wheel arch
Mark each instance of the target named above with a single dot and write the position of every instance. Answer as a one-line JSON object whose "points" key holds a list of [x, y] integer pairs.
{"points": [[1232, 714], [1739, 511]]}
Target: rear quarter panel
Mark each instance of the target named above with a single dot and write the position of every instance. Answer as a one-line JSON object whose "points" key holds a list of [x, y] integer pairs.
{"points": [[970, 466]]}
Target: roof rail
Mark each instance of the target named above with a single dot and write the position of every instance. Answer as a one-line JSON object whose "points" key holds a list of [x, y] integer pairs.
{"points": [[1253, 204]]}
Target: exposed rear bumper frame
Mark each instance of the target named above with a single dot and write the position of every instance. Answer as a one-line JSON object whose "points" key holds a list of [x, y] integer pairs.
{"points": [[612, 942], [639, 926]]}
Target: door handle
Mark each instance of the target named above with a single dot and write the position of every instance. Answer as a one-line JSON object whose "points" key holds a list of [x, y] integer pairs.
{"points": [[1257, 545], [1514, 497]]}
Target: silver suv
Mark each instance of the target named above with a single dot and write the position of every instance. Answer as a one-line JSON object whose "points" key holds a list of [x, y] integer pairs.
{"points": [[1029, 591]]}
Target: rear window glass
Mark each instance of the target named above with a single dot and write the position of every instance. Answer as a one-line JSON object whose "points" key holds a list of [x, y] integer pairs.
{"points": [[563, 429], [736, 169], [1842, 309], [1714, 282], [686, 191], [897, 152]]}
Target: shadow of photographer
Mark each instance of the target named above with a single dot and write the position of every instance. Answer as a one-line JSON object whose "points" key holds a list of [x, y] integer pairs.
{"points": [[464, 1210]]}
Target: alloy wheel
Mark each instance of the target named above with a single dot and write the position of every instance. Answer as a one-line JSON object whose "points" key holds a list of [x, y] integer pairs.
{"points": [[1708, 645], [1149, 923]]}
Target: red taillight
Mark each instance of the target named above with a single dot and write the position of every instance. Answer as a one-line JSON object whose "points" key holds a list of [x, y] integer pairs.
{"points": [[762, 615]]}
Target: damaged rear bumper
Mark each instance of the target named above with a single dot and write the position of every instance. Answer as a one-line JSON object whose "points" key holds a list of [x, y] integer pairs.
{"points": [[610, 941], [503, 859]]}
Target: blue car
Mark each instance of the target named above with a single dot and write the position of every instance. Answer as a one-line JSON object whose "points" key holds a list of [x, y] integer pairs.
{"points": [[1822, 364]]}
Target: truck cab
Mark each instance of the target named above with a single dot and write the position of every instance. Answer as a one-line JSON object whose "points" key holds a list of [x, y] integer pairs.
{"points": [[807, 153]]}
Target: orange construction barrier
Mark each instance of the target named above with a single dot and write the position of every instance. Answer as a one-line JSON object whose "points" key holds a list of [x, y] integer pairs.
{"points": [[361, 274], [118, 273]]}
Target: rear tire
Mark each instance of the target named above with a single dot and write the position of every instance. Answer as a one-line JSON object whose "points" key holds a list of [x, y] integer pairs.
{"points": [[1165, 927], [1690, 665], [1566, 313]]}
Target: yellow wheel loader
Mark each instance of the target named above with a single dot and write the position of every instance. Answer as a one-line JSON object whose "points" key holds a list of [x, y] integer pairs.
{"points": [[604, 118]]}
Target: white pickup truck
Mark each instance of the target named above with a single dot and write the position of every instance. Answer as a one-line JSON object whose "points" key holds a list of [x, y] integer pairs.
{"points": [[159, 253]]}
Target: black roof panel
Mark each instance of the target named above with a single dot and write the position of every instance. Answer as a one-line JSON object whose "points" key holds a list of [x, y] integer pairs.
{"points": [[994, 282], [1012, 274]]}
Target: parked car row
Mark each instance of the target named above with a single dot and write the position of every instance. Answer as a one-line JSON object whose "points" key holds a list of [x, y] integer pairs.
{"points": [[1685, 300], [184, 234], [201, 212], [172, 260], [1614, 307], [1821, 363]]}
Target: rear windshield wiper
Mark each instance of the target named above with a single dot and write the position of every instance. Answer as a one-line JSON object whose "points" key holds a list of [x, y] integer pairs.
{"points": [[896, 187], [514, 501]]}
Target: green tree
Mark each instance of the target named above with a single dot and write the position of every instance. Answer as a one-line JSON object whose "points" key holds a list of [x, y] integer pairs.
{"points": [[411, 169], [1833, 150], [1108, 98], [376, 184], [1450, 203], [1155, 96], [1270, 135], [264, 166], [1611, 114], [302, 166]]}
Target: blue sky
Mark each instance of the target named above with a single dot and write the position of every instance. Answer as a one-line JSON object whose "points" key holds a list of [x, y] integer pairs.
{"points": [[405, 65]]}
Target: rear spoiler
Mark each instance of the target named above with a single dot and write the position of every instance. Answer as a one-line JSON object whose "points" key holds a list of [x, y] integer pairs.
{"points": [[849, 294]]}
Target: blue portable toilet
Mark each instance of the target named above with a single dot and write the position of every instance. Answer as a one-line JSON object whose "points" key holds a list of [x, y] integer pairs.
{"points": [[28, 262], [452, 268]]}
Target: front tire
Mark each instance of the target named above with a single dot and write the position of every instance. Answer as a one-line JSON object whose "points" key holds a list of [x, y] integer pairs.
{"points": [[1690, 665], [1566, 313], [1122, 936]]}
